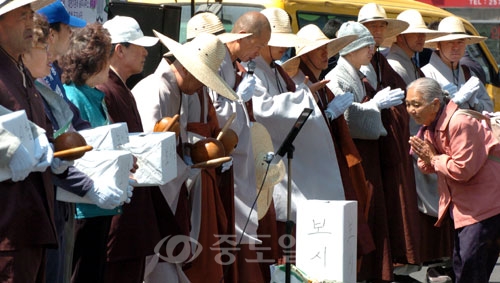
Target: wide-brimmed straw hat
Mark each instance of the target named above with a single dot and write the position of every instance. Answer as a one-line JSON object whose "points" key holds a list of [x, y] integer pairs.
{"points": [[202, 58], [311, 38], [210, 23], [417, 24], [454, 28], [281, 28], [9, 5], [261, 145], [373, 12]]}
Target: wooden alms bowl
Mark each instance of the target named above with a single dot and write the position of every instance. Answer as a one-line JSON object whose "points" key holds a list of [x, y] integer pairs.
{"points": [[70, 146], [229, 140], [207, 149], [168, 124]]}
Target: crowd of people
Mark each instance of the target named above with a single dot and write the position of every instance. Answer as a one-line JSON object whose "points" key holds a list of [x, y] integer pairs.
{"points": [[384, 131]]}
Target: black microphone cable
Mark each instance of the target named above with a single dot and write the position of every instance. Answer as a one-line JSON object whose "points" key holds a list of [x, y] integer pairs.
{"points": [[268, 160]]}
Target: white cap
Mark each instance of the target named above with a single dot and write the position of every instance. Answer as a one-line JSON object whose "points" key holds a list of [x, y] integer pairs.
{"points": [[126, 29]]}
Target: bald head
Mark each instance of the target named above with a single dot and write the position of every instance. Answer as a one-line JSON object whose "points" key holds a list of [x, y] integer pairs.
{"points": [[249, 47], [252, 22]]}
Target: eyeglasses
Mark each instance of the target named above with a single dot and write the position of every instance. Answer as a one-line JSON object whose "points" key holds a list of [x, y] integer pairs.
{"points": [[371, 47]]}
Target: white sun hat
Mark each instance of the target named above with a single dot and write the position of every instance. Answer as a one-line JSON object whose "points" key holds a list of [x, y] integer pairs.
{"points": [[127, 29], [311, 38], [373, 12], [281, 28], [454, 28], [417, 24], [209, 23], [202, 58], [9, 5]]}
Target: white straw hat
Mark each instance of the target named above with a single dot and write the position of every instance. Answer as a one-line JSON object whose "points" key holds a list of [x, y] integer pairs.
{"points": [[417, 24], [202, 58], [310, 38], [454, 28], [281, 28], [209, 23], [261, 145], [9, 5], [127, 29], [373, 12]]}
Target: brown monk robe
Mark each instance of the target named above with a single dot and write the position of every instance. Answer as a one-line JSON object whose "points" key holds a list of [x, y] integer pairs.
{"points": [[147, 219], [397, 171], [218, 188], [213, 218], [376, 265]]}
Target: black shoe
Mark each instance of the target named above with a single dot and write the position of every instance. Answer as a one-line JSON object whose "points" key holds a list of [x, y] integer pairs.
{"points": [[404, 279], [439, 275]]}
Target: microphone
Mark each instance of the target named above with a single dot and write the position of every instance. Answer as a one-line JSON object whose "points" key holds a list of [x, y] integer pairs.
{"points": [[287, 144], [269, 157], [251, 67]]}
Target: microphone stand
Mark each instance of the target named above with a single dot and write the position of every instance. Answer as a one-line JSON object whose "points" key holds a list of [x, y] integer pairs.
{"points": [[288, 149], [289, 222]]}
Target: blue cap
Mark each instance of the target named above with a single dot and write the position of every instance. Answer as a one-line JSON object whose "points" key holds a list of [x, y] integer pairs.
{"points": [[57, 13]]}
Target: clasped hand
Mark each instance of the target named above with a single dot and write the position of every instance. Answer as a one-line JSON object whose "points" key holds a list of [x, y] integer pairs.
{"points": [[423, 149]]}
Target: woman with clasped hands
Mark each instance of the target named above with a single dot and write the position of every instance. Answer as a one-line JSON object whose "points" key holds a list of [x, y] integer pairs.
{"points": [[465, 156]]}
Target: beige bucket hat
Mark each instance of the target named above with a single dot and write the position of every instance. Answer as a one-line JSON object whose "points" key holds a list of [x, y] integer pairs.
{"points": [[281, 28], [202, 57], [9, 5], [417, 24], [310, 38], [454, 28], [373, 12], [275, 173], [210, 23]]}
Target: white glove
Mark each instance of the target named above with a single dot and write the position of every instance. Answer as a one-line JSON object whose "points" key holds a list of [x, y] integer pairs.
{"points": [[246, 88], [226, 166], [466, 92], [58, 166], [451, 89], [104, 196], [43, 153], [130, 190], [21, 164], [387, 98], [338, 105]]}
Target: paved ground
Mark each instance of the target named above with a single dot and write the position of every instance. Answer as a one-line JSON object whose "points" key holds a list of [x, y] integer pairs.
{"points": [[495, 276]]}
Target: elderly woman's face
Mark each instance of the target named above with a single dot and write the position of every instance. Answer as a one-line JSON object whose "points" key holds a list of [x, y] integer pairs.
{"points": [[421, 111]]}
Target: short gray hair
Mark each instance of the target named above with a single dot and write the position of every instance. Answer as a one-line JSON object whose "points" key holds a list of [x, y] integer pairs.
{"points": [[429, 89]]}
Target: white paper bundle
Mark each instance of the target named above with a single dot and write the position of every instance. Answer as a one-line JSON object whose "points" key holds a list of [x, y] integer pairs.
{"points": [[17, 123], [106, 137], [326, 239], [156, 157], [111, 167]]}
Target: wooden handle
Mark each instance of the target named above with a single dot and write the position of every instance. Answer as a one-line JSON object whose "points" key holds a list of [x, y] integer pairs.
{"points": [[216, 162], [172, 122], [62, 153], [226, 126]]}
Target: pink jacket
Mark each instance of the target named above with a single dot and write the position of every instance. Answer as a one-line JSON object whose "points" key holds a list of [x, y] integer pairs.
{"points": [[467, 178]]}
